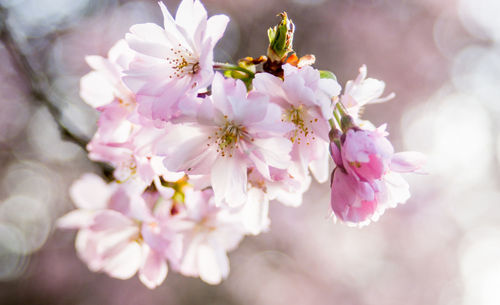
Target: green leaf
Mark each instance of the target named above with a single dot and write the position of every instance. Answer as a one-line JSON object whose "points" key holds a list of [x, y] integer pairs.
{"points": [[327, 74], [271, 33], [281, 38]]}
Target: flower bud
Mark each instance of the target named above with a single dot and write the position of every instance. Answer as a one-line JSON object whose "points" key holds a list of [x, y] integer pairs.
{"points": [[347, 122], [334, 135], [280, 39]]}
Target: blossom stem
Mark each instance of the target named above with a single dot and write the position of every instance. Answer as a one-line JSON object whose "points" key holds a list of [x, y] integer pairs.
{"points": [[341, 109], [337, 119], [332, 123], [231, 67]]}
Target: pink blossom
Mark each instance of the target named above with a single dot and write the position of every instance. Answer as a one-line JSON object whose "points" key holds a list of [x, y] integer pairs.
{"points": [[408, 161], [352, 201], [231, 132], [306, 100], [283, 185], [103, 85], [198, 158], [131, 152], [363, 91], [118, 233], [366, 181], [122, 139], [367, 154], [173, 60], [208, 232], [358, 203], [104, 90]]}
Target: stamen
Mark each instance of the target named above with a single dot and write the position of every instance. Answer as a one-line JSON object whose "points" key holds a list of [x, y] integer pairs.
{"points": [[228, 136], [183, 63], [296, 115]]}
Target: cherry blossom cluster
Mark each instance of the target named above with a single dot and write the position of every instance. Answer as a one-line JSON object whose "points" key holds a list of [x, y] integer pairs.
{"points": [[200, 148]]}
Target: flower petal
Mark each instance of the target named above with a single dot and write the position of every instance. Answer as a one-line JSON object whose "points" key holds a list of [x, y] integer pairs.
{"points": [[213, 264], [409, 161], [95, 89], [125, 263], [216, 25], [189, 14], [229, 181], [154, 268], [76, 219], [90, 192], [320, 167], [256, 212]]}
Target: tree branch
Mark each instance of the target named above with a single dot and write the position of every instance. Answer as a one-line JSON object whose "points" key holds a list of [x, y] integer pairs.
{"points": [[37, 82]]}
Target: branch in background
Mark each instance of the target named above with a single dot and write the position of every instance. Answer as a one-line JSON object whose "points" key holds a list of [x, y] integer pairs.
{"points": [[38, 86], [37, 82]]}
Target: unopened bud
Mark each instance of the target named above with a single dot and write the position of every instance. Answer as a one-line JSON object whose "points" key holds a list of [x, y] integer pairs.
{"points": [[347, 122], [334, 134], [280, 39]]}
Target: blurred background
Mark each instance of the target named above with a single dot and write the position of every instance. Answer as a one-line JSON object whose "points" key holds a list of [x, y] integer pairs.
{"points": [[440, 57]]}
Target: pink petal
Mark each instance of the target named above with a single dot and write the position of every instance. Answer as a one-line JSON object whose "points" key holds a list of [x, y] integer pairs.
{"points": [[87, 250], [188, 265], [190, 14], [120, 54], [320, 167], [148, 33], [156, 238], [293, 198], [96, 90], [229, 181], [206, 112], [410, 161], [110, 220], [129, 202], [90, 192], [216, 25], [124, 264], [251, 111], [168, 20], [185, 149], [153, 49], [271, 86], [396, 190], [228, 95], [274, 151], [109, 243], [104, 66], [256, 212], [260, 165], [371, 170], [76, 219], [213, 264], [351, 200], [154, 268]]}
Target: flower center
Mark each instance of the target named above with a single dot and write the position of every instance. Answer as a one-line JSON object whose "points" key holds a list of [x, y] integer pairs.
{"points": [[183, 62], [127, 103], [206, 225], [302, 131], [228, 136]]}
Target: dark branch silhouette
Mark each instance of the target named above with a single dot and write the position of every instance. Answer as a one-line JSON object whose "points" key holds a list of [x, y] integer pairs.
{"points": [[37, 83]]}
